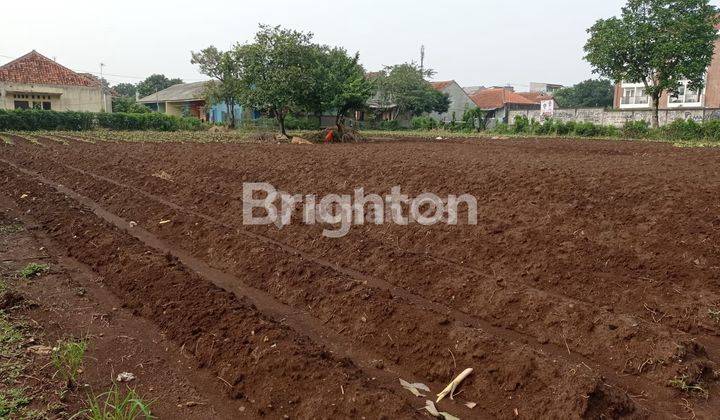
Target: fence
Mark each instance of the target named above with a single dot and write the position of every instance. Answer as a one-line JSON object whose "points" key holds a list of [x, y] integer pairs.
{"points": [[619, 117]]}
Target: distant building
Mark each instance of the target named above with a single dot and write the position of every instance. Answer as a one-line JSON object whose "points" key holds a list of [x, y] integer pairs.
{"points": [[632, 95], [545, 87], [470, 90], [538, 97], [459, 101], [188, 100], [34, 81], [498, 102]]}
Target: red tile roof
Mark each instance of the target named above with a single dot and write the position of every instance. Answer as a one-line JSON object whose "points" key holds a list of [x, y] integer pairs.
{"points": [[535, 97], [497, 98], [35, 68], [442, 85]]}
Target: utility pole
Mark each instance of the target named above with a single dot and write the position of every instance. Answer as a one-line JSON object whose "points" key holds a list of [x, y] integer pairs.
{"points": [[422, 59], [102, 87]]}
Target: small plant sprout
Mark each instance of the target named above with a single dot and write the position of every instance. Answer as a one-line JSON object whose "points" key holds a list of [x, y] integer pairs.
{"points": [[33, 270], [114, 405], [714, 315], [683, 384], [67, 358]]}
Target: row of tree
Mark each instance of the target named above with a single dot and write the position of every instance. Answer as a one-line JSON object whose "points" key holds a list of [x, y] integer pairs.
{"points": [[283, 72]]}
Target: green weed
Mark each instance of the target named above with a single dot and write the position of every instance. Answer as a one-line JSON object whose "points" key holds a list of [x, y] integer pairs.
{"points": [[114, 405], [714, 315], [12, 401], [10, 229], [682, 383], [67, 358], [33, 270]]}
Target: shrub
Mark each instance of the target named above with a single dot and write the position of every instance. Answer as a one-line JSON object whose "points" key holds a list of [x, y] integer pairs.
{"points": [[424, 123], [636, 129], [683, 130], [33, 119], [711, 130], [302, 123], [522, 125], [393, 125]]}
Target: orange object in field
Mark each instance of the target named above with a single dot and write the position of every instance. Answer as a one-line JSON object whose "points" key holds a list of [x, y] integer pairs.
{"points": [[330, 136]]}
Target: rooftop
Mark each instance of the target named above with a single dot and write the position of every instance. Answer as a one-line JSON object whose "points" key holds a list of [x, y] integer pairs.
{"points": [[35, 68], [498, 98], [178, 93]]}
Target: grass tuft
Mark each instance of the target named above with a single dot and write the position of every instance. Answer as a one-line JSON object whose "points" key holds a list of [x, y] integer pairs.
{"points": [[67, 358], [683, 384], [12, 401], [714, 315], [114, 405], [33, 270], [10, 229]]}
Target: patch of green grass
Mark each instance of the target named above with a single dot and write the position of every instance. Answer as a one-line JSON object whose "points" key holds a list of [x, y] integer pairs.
{"points": [[10, 229], [33, 270], [682, 383], [67, 358], [12, 402], [7, 141], [115, 405], [9, 334]]}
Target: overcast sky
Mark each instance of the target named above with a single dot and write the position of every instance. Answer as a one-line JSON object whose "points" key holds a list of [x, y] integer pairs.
{"points": [[476, 42]]}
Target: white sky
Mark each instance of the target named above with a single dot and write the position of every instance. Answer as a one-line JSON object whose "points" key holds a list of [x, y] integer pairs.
{"points": [[476, 42]]}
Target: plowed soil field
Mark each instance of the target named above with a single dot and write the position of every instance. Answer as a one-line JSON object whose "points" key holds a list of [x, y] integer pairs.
{"points": [[590, 287]]}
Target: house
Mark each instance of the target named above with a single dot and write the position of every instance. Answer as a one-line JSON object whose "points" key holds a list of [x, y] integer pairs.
{"points": [[539, 98], [460, 101], [631, 96], [34, 81], [188, 100], [545, 87], [498, 102]]}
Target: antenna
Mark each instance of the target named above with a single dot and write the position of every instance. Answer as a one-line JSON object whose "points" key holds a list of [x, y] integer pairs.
{"points": [[422, 59]]}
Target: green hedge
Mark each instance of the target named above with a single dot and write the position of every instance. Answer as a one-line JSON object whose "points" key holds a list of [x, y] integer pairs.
{"points": [[33, 119], [679, 130]]}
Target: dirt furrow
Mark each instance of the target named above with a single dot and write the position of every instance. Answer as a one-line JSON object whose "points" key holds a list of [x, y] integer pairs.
{"points": [[487, 352]]}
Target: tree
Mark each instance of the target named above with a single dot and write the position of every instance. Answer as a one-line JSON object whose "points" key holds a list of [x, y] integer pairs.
{"points": [[225, 69], [588, 94], [277, 71], [405, 86], [343, 85], [659, 43], [128, 104], [155, 83], [125, 89]]}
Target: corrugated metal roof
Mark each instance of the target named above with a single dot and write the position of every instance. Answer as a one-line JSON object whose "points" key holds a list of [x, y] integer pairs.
{"points": [[178, 93]]}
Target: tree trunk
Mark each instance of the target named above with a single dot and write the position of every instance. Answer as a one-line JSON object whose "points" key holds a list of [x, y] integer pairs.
{"points": [[231, 112], [339, 124], [656, 111], [281, 120]]}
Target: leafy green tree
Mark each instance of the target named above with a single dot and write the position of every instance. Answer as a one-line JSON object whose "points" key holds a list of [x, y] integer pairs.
{"points": [[125, 90], [155, 83], [225, 69], [658, 43], [588, 94], [277, 71], [343, 84], [405, 86], [127, 104]]}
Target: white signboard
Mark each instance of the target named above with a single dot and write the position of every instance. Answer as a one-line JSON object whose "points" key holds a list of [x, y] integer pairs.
{"points": [[547, 108]]}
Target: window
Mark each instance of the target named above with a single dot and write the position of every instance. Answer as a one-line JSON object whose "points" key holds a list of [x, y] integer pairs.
{"points": [[634, 96], [22, 105], [47, 106], [686, 96]]}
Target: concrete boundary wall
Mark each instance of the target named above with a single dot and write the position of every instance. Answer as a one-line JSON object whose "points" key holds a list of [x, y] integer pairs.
{"points": [[619, 117]]}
